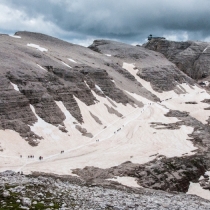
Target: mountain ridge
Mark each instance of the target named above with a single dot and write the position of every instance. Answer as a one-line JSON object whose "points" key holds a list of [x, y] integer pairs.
{"points": [[116, 110]]}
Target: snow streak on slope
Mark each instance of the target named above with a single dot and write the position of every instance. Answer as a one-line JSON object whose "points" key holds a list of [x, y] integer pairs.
{"points": [[41, 67], [15, 87], [66, 64], [14, 36], [42, 49], [72, 60]]}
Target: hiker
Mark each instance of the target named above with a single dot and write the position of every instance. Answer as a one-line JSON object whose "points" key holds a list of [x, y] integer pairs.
{"points": [[21, 156]]}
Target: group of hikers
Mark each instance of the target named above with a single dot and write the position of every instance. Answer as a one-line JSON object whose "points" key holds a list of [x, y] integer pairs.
{"points": [[40, 157]]}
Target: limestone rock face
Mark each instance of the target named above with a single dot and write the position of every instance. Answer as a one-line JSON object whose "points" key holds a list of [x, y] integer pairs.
{"points": [[190, 57], [30, 77], [151, 66]]}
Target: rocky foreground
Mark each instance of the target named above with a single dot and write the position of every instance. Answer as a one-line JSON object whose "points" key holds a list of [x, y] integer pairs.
{"points": [[42, 192]]}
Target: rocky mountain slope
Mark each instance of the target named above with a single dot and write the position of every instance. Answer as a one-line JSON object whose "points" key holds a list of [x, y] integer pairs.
{"points": [[191, 57], [108, 113]]}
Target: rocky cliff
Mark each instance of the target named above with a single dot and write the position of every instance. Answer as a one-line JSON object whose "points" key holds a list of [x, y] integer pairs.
{"points": [[192, 57]]}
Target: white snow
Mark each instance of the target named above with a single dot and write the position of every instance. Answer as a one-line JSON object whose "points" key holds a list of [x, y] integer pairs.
{"points": [[14, 36], [15, 86], [147, 85], [115, 140], [42, 49], [113, 80], [120, 139], [127, 181], [69, 121], [66, 64], [108, 55], [72, 60], [43, 128], [205, 49], [192, 95], [99, 88], [41, 67], [196, 189]]}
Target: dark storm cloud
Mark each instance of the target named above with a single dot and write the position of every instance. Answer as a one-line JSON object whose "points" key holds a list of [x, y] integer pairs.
{"points": [[128, 20]]}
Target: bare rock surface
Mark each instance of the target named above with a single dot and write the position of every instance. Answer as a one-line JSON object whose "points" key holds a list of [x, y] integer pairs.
{"points": [[72, 193], [192, 57], [153, 67]]}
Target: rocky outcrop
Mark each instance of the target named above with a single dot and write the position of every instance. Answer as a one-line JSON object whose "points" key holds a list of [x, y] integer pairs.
{"points": [[54, 192], [163, 76], [190, 57]]}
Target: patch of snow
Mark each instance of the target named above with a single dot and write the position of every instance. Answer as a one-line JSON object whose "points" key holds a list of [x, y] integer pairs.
{"points": [[14, 36], [127, 181], [196, 189], [72, 60], [41, 67], [43, 128], [42, 49], [87, 84], [113, 80], [205, 49], [15, 86], [108, 55], [69, 118], [66, 64], [99, 88], [207, 173]]}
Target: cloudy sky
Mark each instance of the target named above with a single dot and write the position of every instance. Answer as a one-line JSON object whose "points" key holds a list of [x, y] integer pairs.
{"points": [[131, 21]]}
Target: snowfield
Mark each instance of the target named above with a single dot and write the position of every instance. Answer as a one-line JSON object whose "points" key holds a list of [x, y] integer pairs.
{"points": [[115, 140], [111, 138]]}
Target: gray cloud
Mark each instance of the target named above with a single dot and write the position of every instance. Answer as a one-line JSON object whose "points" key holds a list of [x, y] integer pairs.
{"points": [[126, 20]]}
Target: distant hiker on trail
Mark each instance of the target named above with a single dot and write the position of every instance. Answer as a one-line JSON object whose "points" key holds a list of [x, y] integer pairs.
{"points": [[21, 156]]}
